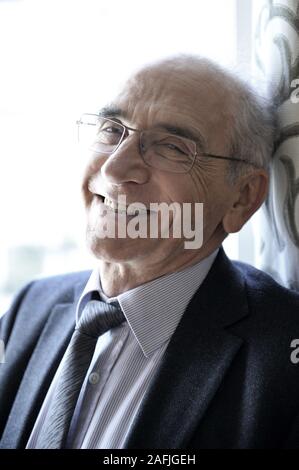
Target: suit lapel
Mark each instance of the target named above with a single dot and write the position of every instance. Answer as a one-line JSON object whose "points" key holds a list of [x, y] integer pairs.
{"points": [[195, 362], [38, 375]]}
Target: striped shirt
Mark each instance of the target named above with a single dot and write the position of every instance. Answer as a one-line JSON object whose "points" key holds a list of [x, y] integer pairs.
{"points": [[126, 357]]}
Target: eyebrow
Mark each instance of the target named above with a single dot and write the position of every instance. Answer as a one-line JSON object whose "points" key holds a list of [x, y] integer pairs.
{"points": [[113, 111], [182, 132]]}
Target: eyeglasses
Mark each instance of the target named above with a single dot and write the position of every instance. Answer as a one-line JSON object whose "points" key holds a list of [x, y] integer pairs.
{"points": [[158, 149]]}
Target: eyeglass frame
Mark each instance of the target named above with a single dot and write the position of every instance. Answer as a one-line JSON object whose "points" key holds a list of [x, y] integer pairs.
{"points": [[127, 128]]}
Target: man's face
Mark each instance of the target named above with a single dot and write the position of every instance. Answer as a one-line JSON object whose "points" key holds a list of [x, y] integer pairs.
{"points": [[150, 101]]}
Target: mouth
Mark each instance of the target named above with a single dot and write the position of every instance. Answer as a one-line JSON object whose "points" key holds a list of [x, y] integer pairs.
{"points": [[130, 209]]}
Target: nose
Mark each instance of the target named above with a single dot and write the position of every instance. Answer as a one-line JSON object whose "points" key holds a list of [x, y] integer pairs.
{"points": [[125, 164]]}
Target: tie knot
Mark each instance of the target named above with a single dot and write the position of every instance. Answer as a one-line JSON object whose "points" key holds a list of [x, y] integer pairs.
{"points": [[98, 317]]}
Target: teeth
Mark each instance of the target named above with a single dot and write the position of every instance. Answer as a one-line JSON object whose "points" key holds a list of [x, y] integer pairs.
{"points": [[133, 209], [122, 208], [114, 206]]}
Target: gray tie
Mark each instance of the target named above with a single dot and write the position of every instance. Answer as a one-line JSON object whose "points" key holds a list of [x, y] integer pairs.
{"points": [[96, 318]]}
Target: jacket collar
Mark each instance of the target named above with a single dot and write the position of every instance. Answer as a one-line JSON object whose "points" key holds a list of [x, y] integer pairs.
{"points": [[40, 371], [195, 362], [197, 358]]}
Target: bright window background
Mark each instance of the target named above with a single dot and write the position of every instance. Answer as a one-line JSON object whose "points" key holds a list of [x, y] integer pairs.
{"points": [[60, 58]]}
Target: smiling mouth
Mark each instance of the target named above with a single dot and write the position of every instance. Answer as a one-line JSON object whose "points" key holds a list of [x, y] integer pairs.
{"points": [[130, 209]]}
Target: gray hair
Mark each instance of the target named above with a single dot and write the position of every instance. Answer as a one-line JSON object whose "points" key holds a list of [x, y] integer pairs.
{"points": [[254, 129], [252, 113]]}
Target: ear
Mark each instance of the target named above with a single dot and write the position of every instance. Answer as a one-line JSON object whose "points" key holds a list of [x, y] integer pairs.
{"points": [[250, 192]]}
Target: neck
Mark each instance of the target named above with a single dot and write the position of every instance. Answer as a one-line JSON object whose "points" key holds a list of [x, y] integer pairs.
{"points": [[117, 277]]}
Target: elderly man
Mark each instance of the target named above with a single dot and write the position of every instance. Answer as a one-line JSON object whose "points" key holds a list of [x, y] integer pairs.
{"points": [[174, 347]]}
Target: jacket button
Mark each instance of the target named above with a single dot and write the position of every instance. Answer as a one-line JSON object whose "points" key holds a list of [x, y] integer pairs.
{"points": [[94, 378]]}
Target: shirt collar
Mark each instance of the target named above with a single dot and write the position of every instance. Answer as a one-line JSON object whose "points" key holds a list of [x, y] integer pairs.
{"points": [[153, 310]]}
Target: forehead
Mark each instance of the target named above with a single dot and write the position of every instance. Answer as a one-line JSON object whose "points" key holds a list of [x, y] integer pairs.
{"points": [[158, 96]]}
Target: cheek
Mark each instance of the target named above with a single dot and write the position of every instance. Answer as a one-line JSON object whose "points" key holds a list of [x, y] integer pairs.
{"points": [[92, 169], [181, 188], [197, 186], [207, 186], [87, 196], [208, 179]]}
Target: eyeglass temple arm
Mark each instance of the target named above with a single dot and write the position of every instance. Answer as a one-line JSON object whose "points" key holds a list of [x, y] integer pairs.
{"points": [[220, 157]]}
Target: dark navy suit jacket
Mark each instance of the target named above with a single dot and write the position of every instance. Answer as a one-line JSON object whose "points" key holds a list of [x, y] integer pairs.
{"points": [[226, 379]]}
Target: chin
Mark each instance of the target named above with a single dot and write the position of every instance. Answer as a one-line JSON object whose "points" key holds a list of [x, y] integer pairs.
{"points": [[116, 250]]}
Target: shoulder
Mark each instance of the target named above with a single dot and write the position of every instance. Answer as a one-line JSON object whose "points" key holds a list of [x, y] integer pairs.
{"points": [[265, 290], [36, 299], [59, 285], [53, 289], [273, 309]]}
